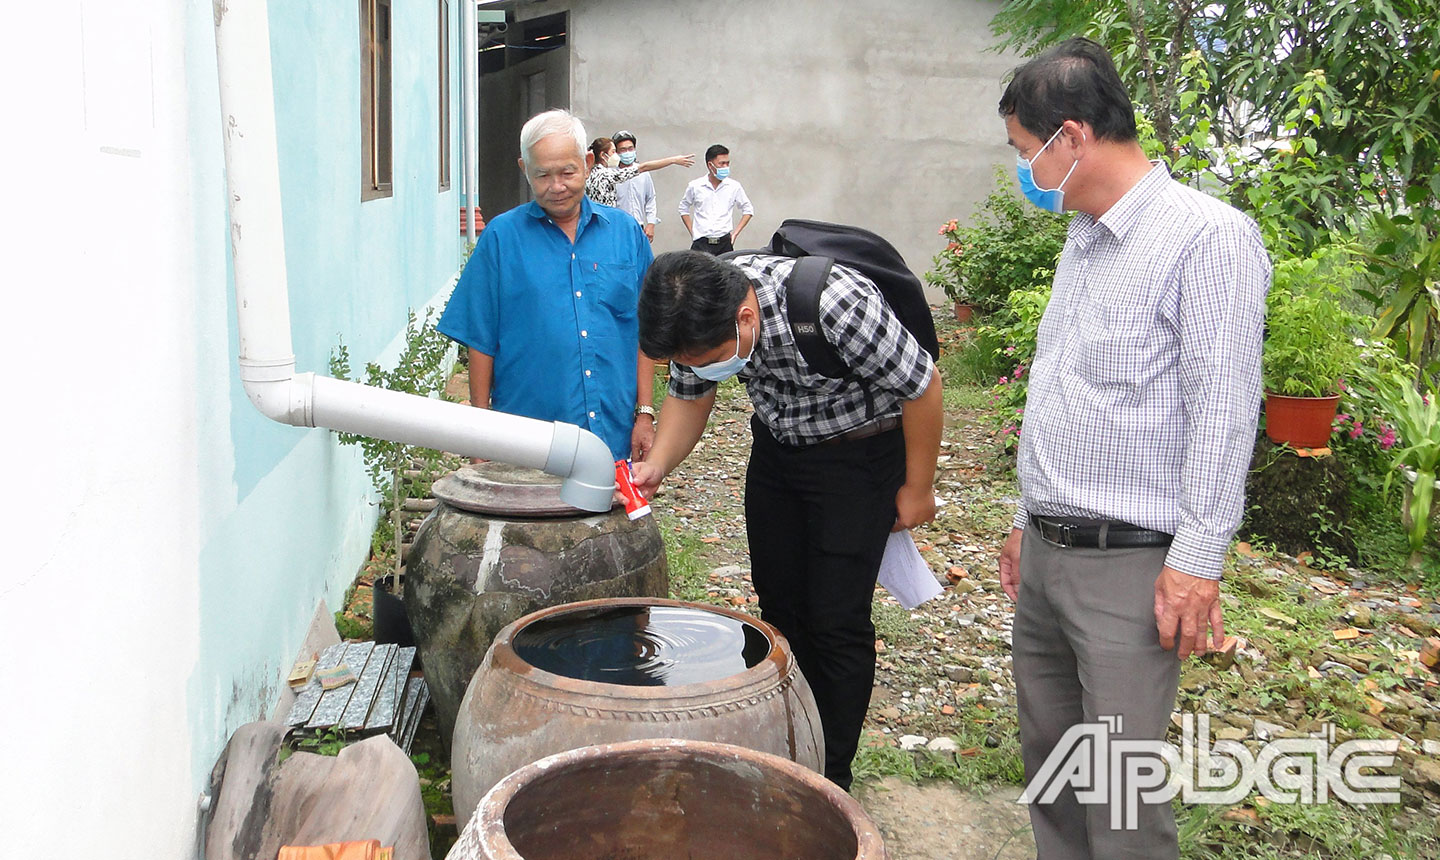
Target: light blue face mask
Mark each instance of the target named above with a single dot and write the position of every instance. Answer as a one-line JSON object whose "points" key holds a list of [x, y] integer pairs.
{"points": [[1049, 199], [722, 173], [720, 371], [627, 158]]}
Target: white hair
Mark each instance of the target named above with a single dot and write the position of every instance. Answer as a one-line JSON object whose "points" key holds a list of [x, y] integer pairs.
{"points": [[550, 122]]}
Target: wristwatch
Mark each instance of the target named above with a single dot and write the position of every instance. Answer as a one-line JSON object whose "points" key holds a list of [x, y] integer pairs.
{"points": [[646, 410]]}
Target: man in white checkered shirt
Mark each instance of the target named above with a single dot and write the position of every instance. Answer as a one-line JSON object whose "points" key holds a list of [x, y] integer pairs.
{"points": [[836, 464], [1138, 432]]}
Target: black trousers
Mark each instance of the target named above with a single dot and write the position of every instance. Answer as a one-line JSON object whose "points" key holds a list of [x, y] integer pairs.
{"points": [[817, 519], [723, 246]]}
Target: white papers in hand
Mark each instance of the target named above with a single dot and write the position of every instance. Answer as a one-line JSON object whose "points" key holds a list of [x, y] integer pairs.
{"points": [[904, 573]]}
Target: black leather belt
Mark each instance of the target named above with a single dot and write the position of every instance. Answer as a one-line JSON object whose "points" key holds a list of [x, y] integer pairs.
{"points": [[1099, 534], [875, 428]]}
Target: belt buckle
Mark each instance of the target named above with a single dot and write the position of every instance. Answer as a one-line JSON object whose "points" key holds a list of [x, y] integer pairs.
{"points": [[1067, 534]]}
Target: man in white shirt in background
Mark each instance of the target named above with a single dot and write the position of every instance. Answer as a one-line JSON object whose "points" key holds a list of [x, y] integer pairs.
{"points": [[709, 203], [636, 196]]}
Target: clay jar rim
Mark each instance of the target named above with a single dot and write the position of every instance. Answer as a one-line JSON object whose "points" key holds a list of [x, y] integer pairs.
{"points": [[491, 809], [776, 669]]}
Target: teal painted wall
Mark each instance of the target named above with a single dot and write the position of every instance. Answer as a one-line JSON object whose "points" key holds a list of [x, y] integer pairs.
{"points": [[284, 518]]}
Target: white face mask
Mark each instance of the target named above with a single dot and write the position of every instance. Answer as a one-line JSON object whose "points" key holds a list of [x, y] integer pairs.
{"points": [[611, 160], [720, 371]]}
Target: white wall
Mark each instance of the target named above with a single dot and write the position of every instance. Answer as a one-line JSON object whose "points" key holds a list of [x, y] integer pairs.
{"points": [[168, 546], [97, 618]]}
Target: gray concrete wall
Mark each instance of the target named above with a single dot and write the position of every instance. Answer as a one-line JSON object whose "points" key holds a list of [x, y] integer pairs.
{"points": [[873, 112]]}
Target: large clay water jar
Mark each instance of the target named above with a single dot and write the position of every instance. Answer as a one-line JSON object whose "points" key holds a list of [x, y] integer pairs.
{"points": [[606, 671], [501, 544], [667, 799]]}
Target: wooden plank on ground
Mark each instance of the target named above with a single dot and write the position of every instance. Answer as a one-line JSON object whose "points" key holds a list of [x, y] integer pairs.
{"points": [[309, 695], [392, 689], [364, 698], [333, 702]]}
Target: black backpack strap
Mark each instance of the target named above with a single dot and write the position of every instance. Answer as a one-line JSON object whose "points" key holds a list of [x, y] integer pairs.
{"points": [[803, 287]]}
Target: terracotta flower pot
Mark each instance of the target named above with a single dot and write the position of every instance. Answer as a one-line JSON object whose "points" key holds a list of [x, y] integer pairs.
{"points": [[963, 312], [1303, 422], [666, 799]]}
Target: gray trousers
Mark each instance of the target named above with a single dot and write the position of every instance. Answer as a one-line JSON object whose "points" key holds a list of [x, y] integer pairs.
{"points": [[1085, 647]]}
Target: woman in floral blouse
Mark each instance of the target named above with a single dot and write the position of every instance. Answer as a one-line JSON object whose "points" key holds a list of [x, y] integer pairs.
{"points": [[606, 174]]}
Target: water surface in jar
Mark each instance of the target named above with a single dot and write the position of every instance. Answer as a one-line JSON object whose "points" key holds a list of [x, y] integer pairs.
{"points": [[642, 646]]}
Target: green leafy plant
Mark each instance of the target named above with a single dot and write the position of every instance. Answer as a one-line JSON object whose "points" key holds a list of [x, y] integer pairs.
{"points": [[328, 742], [1016, 329], [421, 369], [1406, 266], [1010, 246], [1309, 343], [1415, 419]]}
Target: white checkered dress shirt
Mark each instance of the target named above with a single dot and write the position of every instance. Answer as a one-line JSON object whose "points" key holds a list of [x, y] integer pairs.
{"points": [[1145, 389], [801, 407]]}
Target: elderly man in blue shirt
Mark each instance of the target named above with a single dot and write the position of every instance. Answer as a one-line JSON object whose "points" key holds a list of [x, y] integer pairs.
{"points": [[547, 303]]}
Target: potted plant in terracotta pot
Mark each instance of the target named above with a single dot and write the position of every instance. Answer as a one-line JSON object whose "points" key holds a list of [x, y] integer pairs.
{"points": [[946, 274], [1007, 245], [1309, 349]]}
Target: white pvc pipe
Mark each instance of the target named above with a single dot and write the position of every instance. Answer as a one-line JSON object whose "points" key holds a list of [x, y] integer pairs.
{"points": [[470, 95], [262, 299]]}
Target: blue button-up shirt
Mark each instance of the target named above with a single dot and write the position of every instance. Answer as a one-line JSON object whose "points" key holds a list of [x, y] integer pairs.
{"points": [[558, 318]]}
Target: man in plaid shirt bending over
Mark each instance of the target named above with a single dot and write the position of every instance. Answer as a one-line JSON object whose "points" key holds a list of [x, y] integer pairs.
{"points": [[835, 466]]}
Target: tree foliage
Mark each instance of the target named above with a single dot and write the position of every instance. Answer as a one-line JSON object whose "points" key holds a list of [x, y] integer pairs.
{"points": [[1364, 77]]}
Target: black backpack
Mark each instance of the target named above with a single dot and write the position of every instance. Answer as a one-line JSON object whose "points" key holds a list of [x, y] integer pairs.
{"points": [[818, 245]]}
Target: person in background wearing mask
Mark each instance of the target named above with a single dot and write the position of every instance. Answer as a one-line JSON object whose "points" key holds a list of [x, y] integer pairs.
{"points": [[636, 196], [835, 465], [607, 174], [1138, 432], [709, 202], [546, 302]]}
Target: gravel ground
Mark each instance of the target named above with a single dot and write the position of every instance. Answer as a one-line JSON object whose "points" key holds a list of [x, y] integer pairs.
{"points": [[1343, 650]]}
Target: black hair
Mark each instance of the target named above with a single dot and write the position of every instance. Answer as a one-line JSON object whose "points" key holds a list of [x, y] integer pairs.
{"points": [[600, 146], [622, 135], [1075, 79], [715, 150], [688, 303]]}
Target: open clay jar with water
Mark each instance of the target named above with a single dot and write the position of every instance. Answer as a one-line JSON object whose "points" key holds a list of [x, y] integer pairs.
{"points": [[667, 799], [606, 671]]}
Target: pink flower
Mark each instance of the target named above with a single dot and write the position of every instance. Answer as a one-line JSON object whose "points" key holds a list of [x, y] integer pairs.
{"points": [[1387, 439], [1004, 380], [1357, 430], [1341, 418]]}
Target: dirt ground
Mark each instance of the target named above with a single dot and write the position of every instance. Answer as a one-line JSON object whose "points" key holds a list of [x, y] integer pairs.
{"points": [[941, 821]]}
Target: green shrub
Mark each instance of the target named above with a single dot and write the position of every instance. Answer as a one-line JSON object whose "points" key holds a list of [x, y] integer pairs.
{"points": [[1011, 246], [1309, 335], [1014, 332]]}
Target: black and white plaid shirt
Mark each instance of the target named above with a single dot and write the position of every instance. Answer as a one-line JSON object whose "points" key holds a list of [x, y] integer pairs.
{"points": [[1145, 389], [799, 406]]}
